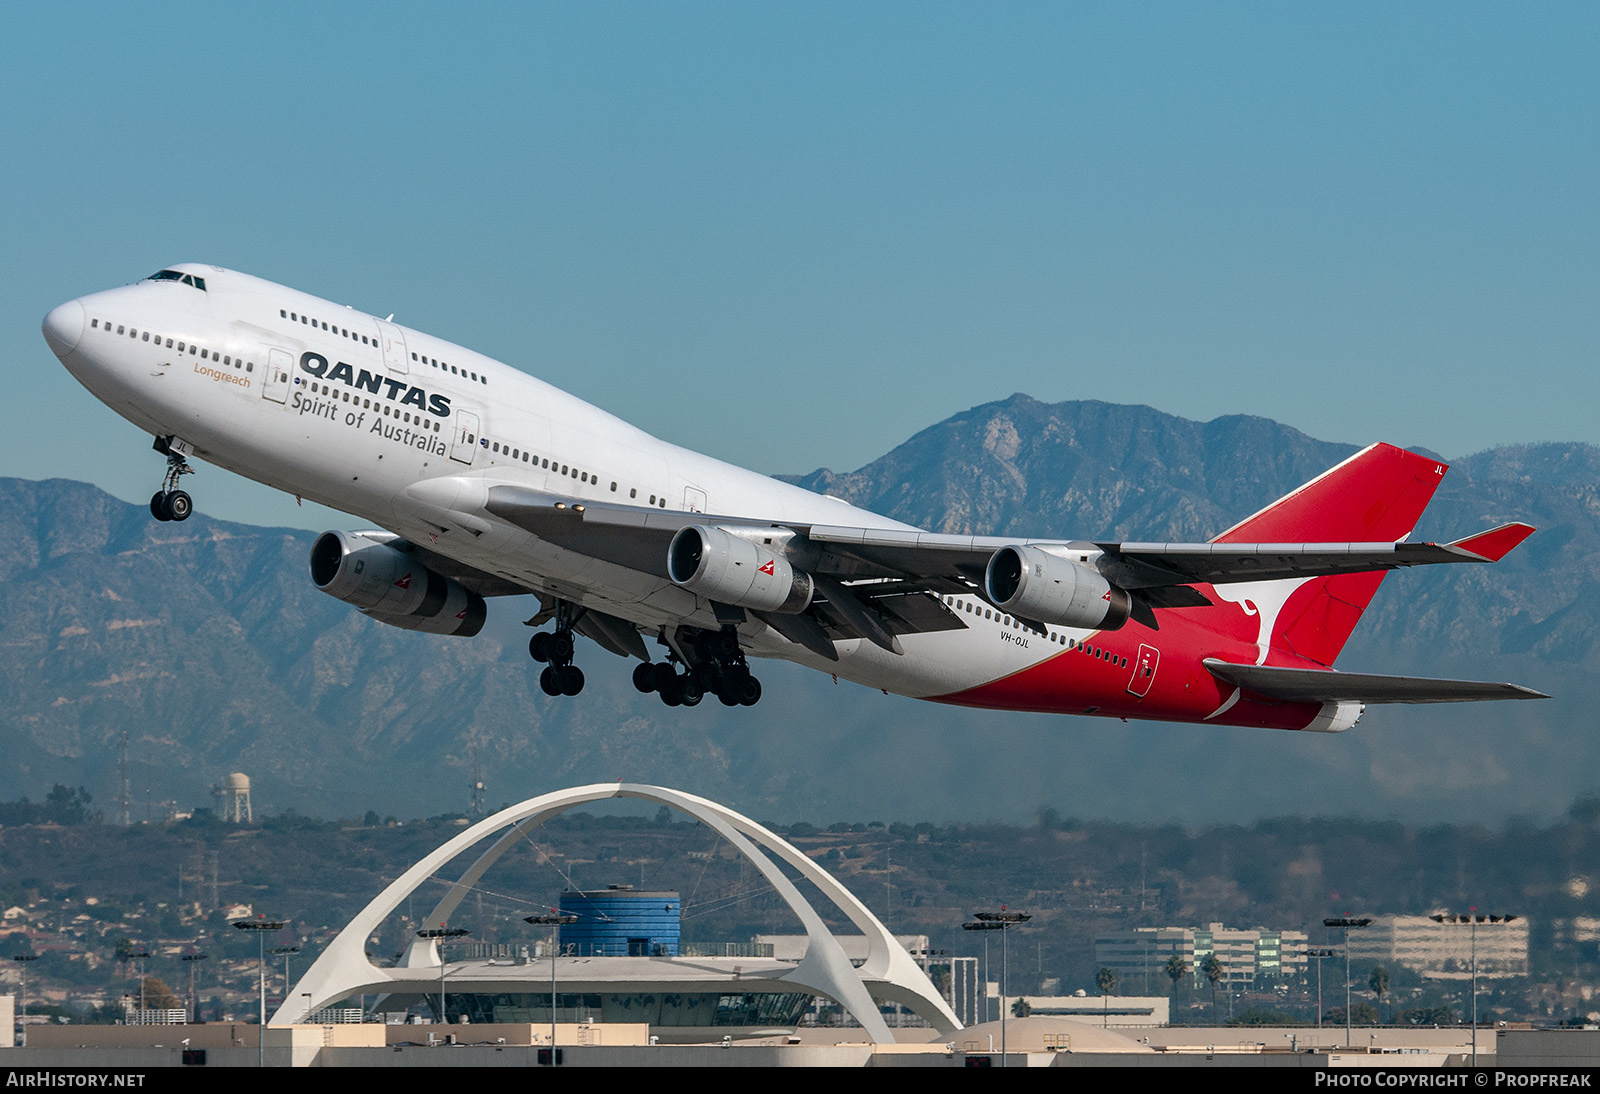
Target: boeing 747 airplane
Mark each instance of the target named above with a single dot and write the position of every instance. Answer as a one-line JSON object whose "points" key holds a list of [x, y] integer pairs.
{"points": [[486, 482]]}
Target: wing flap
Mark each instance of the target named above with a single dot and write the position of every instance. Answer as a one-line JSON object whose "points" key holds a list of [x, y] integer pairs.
{"points": [[1327, 686]]}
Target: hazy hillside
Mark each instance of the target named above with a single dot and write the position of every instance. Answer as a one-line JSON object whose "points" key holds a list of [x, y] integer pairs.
{"points": [[207, 644]]}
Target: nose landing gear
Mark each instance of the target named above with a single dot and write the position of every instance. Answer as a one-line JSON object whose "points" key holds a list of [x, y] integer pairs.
{"points": [[170, 503]]}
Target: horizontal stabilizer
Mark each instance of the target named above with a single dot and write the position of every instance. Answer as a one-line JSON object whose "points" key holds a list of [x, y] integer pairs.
{"points": [[1328, 686], [1496, 543]]}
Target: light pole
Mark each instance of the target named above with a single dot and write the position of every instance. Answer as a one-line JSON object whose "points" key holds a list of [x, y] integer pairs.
{"points": [[261, 926], [22, 960], [1319, 956], [556, 919], [1001, 921], [284, 952], [194, 1004], [1472, 919], [440, 935], [140, 956], [1345, 923]]}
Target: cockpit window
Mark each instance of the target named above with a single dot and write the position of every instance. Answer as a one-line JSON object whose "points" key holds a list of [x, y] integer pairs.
{"points": [[174, 275]]}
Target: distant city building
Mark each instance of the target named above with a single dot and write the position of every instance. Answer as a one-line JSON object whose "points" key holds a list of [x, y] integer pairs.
{"points": [[1139, 957], [967, 992], [1443, 951], [1581, 931]]}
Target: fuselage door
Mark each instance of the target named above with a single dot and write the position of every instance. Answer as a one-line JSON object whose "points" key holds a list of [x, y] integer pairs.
{"points": [[694, 499], [1144, 670], [465, 442], [275, 385], [393, 343]]}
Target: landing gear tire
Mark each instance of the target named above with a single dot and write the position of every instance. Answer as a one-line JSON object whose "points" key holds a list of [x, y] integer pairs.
{"points": [[561, 647], [539, 647], [550, 681], [752, 692], [644, 677], [571, 678], [170, 503]]}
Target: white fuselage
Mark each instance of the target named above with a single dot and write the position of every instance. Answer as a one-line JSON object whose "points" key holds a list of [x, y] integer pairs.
{"points": [[362, 415]]}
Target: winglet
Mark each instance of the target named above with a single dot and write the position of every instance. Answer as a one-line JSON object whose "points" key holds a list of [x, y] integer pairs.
{"points": [[1496, 543]]}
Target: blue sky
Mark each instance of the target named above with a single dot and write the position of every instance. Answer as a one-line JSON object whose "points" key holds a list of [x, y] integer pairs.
{"points": [[793, 235]]}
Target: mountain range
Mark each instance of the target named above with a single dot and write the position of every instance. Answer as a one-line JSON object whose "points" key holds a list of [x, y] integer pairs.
{"points": [[206, 643]]}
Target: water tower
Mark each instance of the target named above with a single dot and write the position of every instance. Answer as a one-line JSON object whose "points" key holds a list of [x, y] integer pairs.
{"points": [[233, 798]]}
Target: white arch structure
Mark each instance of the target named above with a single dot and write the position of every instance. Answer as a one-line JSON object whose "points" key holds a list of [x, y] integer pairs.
{"points": [[343, 969]]}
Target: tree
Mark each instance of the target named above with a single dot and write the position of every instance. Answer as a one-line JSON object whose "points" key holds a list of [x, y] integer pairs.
{"points": [[1177, 969], [127, 949], [157, 996], [1361, 1014], [1021, 1008], [1379, 983], [1106, 981], [1213, 971]]}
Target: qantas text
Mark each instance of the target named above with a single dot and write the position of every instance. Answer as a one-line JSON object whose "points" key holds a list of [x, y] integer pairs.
{"points": [[317, 365]]}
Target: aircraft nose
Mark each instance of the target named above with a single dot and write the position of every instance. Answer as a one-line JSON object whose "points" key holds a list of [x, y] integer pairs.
{"points": [[63, 327]]}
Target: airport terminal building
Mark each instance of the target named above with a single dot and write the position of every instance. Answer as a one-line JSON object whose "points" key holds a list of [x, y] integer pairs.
{"points": [[617, 955]]}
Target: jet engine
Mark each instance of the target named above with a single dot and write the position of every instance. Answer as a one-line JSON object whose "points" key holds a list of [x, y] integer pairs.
{"points": [[1032, 584], [715, 564], [392, 587]]}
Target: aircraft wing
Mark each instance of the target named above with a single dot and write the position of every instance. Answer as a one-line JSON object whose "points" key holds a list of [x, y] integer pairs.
{"points": [[637, 537], [1328, 686]]}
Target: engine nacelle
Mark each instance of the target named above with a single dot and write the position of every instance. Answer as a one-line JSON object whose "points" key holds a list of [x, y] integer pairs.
{"points": [[393, 587], [1032, 584], [715, 564]]}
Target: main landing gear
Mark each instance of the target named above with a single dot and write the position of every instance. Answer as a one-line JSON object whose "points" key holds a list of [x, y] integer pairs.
{"points": [[170, 503], [718, 668], [554, 649]]}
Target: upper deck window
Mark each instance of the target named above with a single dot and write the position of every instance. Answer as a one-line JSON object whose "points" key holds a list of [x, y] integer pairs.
{"points": [[174, 275]]}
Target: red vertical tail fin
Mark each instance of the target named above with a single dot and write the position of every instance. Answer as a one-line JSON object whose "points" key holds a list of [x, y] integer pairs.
{"points": [[1377, 495]]}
